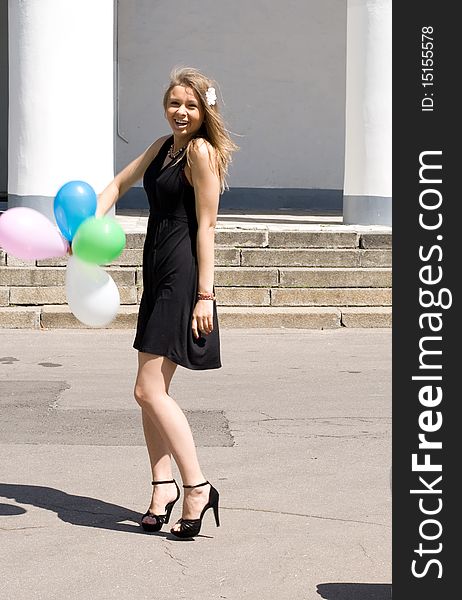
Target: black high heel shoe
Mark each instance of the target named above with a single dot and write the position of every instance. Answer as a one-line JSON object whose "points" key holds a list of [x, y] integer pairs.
{"points": [[191, 527], [160, 519]]}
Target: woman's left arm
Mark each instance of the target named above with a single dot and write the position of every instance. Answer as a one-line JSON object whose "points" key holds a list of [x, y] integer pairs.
{"points": [[207, 195]]}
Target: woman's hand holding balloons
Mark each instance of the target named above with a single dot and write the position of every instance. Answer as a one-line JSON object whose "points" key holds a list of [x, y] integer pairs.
{"points": [[91, 293], [89, 241]]}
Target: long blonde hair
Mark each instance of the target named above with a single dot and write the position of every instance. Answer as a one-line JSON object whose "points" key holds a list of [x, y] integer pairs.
{"points": [[213, 128]]}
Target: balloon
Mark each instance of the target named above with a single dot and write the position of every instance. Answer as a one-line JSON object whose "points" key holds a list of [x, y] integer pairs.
{"points": [[27, 234], [74, 202], [99, 240], [91, 293]]}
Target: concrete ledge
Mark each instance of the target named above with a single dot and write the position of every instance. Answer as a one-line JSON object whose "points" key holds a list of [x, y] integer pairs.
{"points": [[130, 257], [309, 239], [135, 240], [122, 277], [4, 296], [255, 317], [14, 317], [242, 238], [55, 276], [12, 261], [32, 276], [367, 317], [375, 240], [57, 295], [330, 277], [60, 317], [37, 295], [227, 257], [300, 258], [53, 262], [330, 297], [375, 258], [241, 296], [246, 276]]}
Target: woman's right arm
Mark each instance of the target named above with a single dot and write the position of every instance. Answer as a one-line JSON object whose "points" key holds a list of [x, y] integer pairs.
{"points": [[124, 180]]}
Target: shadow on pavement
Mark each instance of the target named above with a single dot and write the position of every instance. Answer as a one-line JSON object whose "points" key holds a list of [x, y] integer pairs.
{"points": [[354, 591], [77, 510]]}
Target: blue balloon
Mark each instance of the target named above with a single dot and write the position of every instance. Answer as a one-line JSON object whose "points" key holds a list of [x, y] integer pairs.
{"points": [[74, 203]]}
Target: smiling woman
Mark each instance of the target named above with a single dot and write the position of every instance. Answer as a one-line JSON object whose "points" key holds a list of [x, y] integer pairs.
{"points": [[183, 175], [191, 109], [184, 113]]}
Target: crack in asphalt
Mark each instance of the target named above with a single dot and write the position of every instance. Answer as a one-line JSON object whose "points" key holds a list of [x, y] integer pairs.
{"points": [[307, 516], [324, 419], [365, 552], [175, 559], [321, 435]]}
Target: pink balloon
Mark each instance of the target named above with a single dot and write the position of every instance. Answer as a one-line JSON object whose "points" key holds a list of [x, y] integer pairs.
{"points": [[27, 234]]}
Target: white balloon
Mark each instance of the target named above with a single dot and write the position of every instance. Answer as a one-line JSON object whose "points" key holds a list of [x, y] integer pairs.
{"points": [[91, 293]]}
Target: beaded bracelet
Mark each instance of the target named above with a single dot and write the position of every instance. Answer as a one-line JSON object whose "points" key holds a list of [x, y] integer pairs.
{"points": [[205, 296]]}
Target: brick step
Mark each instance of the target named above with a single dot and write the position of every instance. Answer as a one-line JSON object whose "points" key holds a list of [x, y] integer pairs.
{"points": [[314, 237], [38, 295], [306, 318], [59, 317], [303, 277], [247, 257], [226, 296], [224, 276], [315, 258], [245, 296], [51, 276]]}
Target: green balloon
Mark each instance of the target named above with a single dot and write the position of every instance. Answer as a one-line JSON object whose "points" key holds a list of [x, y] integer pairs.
{"points": [[98, 240]]}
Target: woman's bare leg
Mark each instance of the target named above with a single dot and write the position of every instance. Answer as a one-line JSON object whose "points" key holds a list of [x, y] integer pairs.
{"points": [[160, 459], [161, 467], [151, 392]]}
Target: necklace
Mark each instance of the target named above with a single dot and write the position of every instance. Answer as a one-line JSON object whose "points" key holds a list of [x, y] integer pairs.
{"points": [[173, 154]]}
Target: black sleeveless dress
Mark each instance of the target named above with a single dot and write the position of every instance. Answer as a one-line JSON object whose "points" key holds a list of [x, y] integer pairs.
{"points": [[170, 271]]}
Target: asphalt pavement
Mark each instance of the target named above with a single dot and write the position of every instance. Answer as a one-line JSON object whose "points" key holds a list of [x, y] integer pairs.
{"points": [[294, 430]]}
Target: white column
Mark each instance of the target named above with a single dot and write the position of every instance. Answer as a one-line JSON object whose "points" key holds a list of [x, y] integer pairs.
{"points": [[368, 158], [61, 93]]}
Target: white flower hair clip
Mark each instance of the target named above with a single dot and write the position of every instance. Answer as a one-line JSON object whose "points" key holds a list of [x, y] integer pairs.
{"points": [[211, 96]]}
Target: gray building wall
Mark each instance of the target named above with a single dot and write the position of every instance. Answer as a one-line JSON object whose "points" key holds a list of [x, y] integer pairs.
{"points": [[281, 71], [3, 99]]}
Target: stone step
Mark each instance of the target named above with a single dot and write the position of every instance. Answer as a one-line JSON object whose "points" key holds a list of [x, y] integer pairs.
{"points": [[20, 317], [312, 237], [249, 257], [226, 296], [262, 237], [59, 317], [247, 296], [303, 277], [378, 316], [306, 318], [315, 258], [263, 257], [285, 277], [55, 276], [57, 295]]}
